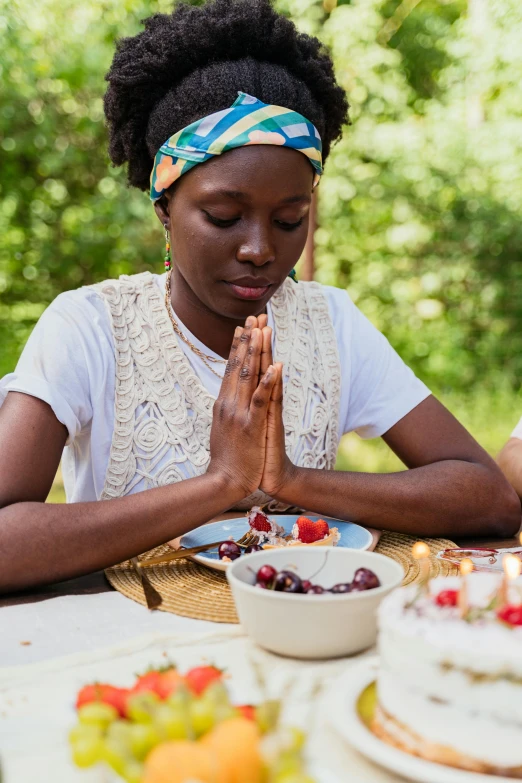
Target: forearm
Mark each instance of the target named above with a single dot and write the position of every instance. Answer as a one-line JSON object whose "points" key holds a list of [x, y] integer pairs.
{"points": [[510, 461], [448, 498], [42, 543]]}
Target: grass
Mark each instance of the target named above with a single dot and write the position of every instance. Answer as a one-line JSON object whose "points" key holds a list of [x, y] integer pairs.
{"points": [[489, 417]]}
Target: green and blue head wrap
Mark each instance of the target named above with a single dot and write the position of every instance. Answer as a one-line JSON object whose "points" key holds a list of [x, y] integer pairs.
{"points": [[248, 121]]}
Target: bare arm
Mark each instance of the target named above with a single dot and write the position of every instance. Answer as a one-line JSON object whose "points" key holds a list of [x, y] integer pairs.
{"points": [[453, 488], [510, 461], [42, 543]]}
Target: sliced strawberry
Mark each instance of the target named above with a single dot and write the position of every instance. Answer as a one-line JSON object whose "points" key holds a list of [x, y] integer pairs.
{"points": [[199, 678], [308, 531], [259, 521], [109, 694], [169, 683], [163, 682], [147, 682], [447, 598], [247, 711], [512, 615]]}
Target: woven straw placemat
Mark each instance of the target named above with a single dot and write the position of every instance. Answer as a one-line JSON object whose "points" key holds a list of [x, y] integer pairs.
{"points": [[192, 590]]}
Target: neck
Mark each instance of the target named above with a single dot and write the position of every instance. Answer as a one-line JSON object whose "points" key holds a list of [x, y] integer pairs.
{"points": [[213, 330]]}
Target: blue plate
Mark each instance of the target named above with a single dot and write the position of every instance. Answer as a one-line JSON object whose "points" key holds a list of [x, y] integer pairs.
{"points": [[352, 536]]}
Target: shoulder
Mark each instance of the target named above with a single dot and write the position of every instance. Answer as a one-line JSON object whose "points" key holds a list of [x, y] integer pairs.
{"points": [[341, 309]]}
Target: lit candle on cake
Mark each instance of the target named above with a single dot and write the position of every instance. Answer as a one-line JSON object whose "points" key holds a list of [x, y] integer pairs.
{"points": [[466, 567], [421, 552], [511, 565]]}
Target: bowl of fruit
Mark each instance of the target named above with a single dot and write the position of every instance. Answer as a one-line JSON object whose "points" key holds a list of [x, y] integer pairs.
{"points": [[312, 603], [183, 728]]}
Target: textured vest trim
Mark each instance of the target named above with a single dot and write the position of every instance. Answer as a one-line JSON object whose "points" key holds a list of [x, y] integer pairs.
{"points": [[163, 413]]}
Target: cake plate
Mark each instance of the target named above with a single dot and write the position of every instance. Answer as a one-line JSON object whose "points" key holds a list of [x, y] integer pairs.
{"points": [[350, 710]]}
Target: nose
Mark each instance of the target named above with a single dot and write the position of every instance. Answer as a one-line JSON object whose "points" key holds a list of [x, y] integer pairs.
{"points": [[257, 245]]}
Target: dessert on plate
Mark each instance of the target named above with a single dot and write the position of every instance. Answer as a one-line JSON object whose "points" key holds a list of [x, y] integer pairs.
{"points": [[304, 532], [450, 682]]}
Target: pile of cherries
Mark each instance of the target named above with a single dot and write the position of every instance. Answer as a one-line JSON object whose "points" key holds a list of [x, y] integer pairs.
{"points": [[267, 578]]}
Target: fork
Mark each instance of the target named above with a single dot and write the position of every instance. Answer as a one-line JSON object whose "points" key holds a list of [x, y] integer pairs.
{"points": [[245, 541], [152, 597]]}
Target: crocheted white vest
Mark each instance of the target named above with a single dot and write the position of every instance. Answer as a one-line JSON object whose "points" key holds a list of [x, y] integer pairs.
{"points": [[163, 413]]}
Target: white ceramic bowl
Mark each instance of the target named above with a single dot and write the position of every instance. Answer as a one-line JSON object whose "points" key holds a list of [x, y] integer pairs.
{"points": [[312, 626]]}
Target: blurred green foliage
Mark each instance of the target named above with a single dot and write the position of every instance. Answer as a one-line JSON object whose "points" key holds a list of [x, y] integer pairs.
{"points": [[420, 209]]}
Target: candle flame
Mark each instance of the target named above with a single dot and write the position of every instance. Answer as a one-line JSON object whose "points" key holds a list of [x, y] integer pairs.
{"points": [[466, 566], [420, 550], [511, 565]]}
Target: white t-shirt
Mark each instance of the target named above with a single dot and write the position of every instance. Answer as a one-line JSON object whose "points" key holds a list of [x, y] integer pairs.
{"points": [[69, 362], [517, 432]]}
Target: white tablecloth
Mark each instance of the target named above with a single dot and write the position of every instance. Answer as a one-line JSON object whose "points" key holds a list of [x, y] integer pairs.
{"points": [[105, 637]]}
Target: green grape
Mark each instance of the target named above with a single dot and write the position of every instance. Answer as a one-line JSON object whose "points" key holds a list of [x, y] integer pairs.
{"points": [[267, 715], [116, 755], [217, 694], [180, 699], [97, 713], [297, 738], [85, 731], [142, 706], [172, 723], [298, 777], [203, 716], [87, 751], [120, 731], [143, 737], [226, 712], [132, 772], [288, 763]]}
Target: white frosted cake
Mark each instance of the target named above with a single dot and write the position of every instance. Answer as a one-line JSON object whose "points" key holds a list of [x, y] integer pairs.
{"points": [[450, 688]]}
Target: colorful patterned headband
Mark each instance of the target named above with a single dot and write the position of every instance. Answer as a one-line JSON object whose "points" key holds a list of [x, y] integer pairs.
{"points": [[247, 121]]}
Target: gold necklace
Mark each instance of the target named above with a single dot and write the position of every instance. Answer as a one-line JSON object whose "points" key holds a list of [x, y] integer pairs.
{"points": [[205, 358]]}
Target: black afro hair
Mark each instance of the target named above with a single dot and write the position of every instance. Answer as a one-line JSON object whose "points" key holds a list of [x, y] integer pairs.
{"points": [[191, 63]]}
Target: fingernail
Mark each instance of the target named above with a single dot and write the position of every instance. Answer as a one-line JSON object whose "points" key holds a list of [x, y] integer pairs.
{"points": [[250, 321], [238, 331]]}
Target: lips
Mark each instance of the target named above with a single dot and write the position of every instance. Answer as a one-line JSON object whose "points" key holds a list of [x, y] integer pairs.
{"points": [[249, 287]]}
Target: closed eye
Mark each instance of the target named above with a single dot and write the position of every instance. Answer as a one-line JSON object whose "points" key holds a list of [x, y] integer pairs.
{"points": [[219, 221], [289, 226]]}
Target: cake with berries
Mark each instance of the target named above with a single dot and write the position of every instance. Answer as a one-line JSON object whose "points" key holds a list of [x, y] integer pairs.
{"points": [[450, 681], [304, 532]]}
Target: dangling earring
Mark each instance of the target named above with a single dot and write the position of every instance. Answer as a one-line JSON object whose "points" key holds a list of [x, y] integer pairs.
{"points": [[167, 250], [293, 275]]}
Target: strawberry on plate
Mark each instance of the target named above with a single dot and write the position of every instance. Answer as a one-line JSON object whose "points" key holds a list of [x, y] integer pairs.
{"points": [[308, 532], [108, 694], [259, 521], [265, 527], [199, 678]]}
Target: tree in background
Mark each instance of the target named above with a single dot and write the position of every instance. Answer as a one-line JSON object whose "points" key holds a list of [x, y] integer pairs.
{"points": [[420, 209]]}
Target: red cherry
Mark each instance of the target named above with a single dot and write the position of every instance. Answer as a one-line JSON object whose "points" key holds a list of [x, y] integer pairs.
{"points": [[345, 587], [447, 598], [364, 579], [510, 614], [229, 549], [266, 574], [306, 585]]}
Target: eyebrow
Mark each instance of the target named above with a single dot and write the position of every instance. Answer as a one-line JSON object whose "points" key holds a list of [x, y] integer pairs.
{"points": [[238, 195]]}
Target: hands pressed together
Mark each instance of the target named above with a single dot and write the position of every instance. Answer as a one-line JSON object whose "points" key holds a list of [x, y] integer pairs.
{"points": [[247, 441]]}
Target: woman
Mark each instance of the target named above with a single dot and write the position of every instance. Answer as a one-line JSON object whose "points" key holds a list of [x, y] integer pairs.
{"points": [[227, 114]]}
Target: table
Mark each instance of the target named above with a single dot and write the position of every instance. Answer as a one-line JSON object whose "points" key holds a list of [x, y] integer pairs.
{"points": [[97, 583], [42, 625]]}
